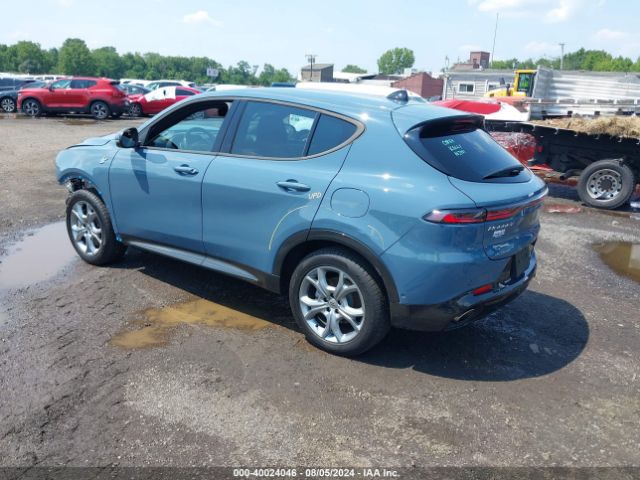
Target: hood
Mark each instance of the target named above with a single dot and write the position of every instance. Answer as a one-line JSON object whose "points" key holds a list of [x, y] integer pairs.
{"points": [[97, 141]]}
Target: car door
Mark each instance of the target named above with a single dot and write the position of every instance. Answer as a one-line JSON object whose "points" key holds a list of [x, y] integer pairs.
{"points": [[156, 189], [269, 185], [77, 96], [56, 96]]}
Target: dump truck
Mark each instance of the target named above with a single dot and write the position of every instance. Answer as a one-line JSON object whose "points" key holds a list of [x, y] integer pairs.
{"points": [[548, 93]]}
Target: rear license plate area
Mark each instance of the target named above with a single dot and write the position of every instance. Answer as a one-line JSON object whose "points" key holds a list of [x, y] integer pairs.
{"points": [[520, 262]]}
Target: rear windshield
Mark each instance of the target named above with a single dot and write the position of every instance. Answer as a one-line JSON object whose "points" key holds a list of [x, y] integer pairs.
{"points": [[461, 148]]}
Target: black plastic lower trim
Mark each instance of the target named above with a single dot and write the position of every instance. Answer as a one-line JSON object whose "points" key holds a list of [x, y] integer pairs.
{"points": [[457, 312]]}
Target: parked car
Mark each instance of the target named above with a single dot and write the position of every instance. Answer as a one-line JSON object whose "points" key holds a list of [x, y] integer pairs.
{"points": [[131, 89], [169, 83], [100, 97], [157, 100], [368, 212], [12, 83], [9, 98]]}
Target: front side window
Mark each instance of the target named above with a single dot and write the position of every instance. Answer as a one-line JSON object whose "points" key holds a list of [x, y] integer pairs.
{"points": [[272, 130], [197, 130], [60, 84]]}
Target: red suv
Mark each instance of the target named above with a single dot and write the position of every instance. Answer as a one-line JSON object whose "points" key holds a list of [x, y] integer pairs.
{"points": [[100, 97]]}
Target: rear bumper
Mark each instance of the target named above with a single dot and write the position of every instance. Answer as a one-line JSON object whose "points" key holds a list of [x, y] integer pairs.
{"points": [[119, 108], [459, 311]]}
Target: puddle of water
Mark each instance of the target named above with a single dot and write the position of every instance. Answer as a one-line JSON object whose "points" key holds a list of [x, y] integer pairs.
{"points": [[156, 324], [36, 258], [622, 257]]}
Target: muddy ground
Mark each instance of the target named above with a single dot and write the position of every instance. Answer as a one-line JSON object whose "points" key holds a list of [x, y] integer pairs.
{"points": [[154, 362]]}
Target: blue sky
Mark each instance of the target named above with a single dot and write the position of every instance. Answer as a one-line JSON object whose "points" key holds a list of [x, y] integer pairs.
{"points": [[338, 31]]}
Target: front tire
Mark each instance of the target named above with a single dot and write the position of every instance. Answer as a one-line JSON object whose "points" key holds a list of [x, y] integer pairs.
{"points": [[100, 110], [32, 107], [90, 229], [606, 184], [135, 110], [338, 302]]}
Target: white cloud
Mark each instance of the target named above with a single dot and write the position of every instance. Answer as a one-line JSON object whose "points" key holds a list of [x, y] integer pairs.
{"points": [[550, 11], [606, 34], [201, 16]]}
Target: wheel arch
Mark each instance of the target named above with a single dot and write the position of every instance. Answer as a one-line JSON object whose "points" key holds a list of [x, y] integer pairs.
{"points": [[301, 244]]}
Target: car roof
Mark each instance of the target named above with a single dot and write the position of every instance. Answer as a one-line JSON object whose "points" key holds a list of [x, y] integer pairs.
{"points": [[346, 103]]}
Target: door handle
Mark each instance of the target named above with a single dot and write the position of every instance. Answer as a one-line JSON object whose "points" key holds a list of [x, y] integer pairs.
{"points": [[293, 186], [186, 170]]}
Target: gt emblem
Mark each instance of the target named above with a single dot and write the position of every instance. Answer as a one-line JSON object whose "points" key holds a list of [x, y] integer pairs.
{"points": [[499, 233], [315, 195]]}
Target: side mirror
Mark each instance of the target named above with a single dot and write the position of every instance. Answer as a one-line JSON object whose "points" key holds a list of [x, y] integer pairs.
{"points": [[129, 138]]}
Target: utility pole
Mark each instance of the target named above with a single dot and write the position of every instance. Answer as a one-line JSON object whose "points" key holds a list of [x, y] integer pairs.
{"points": [[561, 55], [495, 33], [311, 58]]}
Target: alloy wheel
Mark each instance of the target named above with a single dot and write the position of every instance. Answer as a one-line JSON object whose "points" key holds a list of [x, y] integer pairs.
{"points": [[604, 184], [86, 229], [31, 108], [8, 105], [99, 111], [332, 304]]}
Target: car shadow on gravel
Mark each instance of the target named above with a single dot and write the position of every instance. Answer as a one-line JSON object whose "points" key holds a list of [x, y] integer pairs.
{"points": [[535, 335]]}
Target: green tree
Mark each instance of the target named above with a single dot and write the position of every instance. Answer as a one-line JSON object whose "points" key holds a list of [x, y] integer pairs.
{"points": [[353, 69], [75, 58], [395, 61], [270, 74], [107, 62], [29, 57]]}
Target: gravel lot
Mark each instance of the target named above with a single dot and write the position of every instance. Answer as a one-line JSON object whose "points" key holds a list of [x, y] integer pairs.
{"points": [[552, 379]]}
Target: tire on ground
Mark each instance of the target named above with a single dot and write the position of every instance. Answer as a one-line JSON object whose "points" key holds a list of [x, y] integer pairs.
{"points": [[100, 110], [376, 322], [32, 107], [111, 249], [628, 183]]}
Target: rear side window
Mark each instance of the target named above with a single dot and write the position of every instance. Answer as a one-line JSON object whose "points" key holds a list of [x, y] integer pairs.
{"points": [[329, 133], [272, 130], [461, 148]]}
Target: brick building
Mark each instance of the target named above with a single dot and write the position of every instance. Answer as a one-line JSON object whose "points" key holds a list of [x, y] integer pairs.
{"points": [[421, 83]]}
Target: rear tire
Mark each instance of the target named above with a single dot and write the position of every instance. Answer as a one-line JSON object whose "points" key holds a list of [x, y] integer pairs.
{"points": [[8, 105], [90, 229], [606, 184], [32, 107], [338, 302], [100, 110]]}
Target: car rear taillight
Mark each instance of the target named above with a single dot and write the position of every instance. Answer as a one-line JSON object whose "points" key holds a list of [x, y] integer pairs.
{"points": [[457, 216], [477, 215]]}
